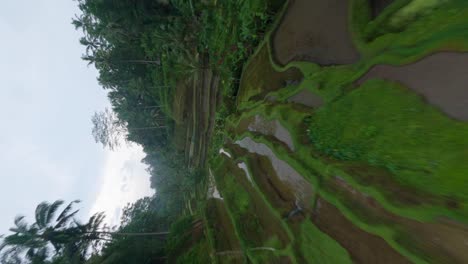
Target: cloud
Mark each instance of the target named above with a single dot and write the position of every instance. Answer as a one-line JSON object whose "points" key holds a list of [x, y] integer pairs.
{"points": [[123, 180]]}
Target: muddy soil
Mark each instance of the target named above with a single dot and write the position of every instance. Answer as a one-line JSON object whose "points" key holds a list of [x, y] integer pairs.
{"points": [[442, 241], [218, 220], [441, 78], [377, 6], [363, 247], [260, 78], [394, 192], [315, 31], [307, 98]]}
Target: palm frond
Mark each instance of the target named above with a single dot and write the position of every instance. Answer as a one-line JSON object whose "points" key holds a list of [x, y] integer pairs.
{"points": [[52, 210], [41, 214], [67, 210], [95, 222], [19, 219], [20, 225], [37, 255], [22, 242], [11, 256], [64, 220]]}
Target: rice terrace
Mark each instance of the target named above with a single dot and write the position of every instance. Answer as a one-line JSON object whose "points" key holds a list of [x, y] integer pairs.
{"points": [[284, 131]]}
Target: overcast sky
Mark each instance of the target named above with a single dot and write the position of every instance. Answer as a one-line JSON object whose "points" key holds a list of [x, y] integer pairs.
{"points": [[48, 95]]}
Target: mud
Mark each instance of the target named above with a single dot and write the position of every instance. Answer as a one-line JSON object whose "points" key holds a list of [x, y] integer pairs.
{"points": [[443, 241], [307, 98], [440, 78], [384, 181], [315, 31], [363, 247], [377, 6], [223, 230], [259, 78]]}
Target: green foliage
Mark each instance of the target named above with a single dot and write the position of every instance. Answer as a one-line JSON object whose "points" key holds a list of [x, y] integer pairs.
{"points": [[137, 218], [180, 234], [70, 239], [198, 254]]}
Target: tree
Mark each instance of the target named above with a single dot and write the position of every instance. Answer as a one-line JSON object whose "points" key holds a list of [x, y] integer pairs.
{"points": [[69, 238], [110, 130], [137, 217], [34, 240]]}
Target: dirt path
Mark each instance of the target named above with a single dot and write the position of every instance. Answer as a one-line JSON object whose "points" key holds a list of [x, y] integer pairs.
{"points": [[315, 31], [441, 78]]}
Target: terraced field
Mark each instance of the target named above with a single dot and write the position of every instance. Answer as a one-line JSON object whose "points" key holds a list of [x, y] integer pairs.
{"points": [[350, 140]]}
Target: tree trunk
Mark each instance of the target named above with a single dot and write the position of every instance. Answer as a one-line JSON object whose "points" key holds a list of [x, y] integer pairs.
{"points": [[129, 234], [143, 128], [142, 61]]}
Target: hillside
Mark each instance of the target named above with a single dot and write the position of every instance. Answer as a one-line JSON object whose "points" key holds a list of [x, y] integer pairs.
{"points": [[348, 143]]}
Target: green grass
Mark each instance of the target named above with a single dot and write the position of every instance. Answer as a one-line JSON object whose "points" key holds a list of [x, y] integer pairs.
{"points": [[318, 247], [388, 126]]}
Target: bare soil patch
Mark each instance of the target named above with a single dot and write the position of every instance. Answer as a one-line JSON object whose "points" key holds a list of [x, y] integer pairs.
{"points": [[315, 31], [441, 78]]}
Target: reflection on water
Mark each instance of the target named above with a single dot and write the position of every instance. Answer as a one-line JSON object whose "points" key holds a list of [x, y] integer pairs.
{"points": [[284, 171], [243, 166], [212, 189], [223, 151], [273, 128]]}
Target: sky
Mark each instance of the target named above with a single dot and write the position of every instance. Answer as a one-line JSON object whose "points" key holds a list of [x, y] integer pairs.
{"points": [[47, 97]]}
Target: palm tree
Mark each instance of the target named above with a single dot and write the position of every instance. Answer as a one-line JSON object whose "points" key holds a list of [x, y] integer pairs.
{"points": [[69, 238], [47, 230]]}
